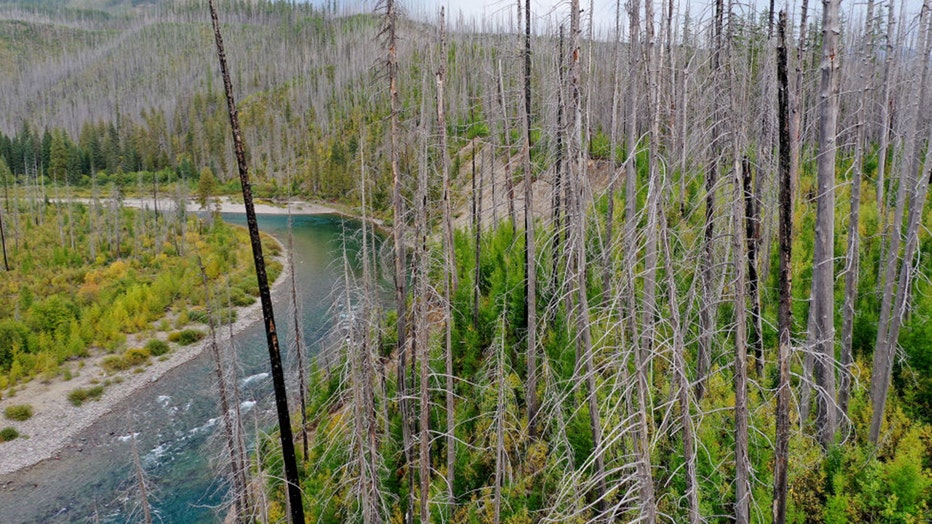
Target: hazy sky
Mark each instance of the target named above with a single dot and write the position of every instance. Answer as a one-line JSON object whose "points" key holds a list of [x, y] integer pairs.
{"points": [[550, 13]]}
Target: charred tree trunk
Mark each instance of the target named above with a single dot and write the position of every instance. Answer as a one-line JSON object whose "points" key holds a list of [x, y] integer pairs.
{"points": [[296, 508], [784, 322], [708, 308], [752, 234], [6, 263]]}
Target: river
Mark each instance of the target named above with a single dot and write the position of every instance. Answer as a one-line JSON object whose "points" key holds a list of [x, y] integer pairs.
{"points": [[175, 419]]}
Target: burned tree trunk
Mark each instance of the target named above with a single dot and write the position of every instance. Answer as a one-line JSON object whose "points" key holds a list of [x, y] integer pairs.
{"points": [[784, 322], [296, 508]]}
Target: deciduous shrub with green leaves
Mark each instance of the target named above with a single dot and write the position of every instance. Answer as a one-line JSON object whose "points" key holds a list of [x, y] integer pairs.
{"points": [[18, 412]]}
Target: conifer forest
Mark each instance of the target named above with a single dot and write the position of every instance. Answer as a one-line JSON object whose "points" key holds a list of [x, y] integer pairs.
{"points": [[616, 261]]}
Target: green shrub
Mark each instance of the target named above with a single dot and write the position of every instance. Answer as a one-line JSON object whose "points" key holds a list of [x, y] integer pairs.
{"points": [[240, 299], [136, 356], [114, 363], [186, 337], [8, 433], [19, 412], [80, 395], [131, 358], [249, 286], [157, 348], [198, 315]]}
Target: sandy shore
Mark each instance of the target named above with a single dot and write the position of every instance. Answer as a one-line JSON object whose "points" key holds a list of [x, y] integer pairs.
{"points": [[226, 205], [56, 421]]}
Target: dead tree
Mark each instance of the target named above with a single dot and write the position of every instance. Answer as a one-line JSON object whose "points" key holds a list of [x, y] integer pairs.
{"points": [[852, 257], [785, 311], [682, 385], [898, 275], [530, 252], [449, 260], [708, 308], [6, 263], [230, 426], [296, 508], [578, 227], [398, 227], [300, 353], [752, 234], [141, 482], [822, 339]]}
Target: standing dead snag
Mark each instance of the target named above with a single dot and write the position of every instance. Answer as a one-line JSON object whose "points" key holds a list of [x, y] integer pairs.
{"points": [[784, 322], [823, 274], [296, 508], [899, 272], [853, 255], [752, 235], [6, 263], [577, 215], [230, 426], [398, 226], [449, 258], [530, 253], [298, 342]]}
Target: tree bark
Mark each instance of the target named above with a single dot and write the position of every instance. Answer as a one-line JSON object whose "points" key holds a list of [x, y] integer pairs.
{"points": [[784, 313], [295, 505], [823, 275]]}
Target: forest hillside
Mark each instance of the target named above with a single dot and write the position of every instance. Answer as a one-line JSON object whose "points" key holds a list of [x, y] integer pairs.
{"points": [[677, 272]]}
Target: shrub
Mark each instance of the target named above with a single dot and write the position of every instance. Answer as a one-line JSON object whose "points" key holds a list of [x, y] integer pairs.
{"points": [[78, 396], [136, 356], [198, 315], [186, 337], [157, 347], [240, 299], [19, 412], [114, 363], [8, 433]]}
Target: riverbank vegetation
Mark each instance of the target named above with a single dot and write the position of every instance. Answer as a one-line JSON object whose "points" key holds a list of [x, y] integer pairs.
{"points": [[86, 279]]}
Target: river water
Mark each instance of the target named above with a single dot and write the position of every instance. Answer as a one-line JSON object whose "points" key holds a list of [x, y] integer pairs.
{"points": [[175, 419]]}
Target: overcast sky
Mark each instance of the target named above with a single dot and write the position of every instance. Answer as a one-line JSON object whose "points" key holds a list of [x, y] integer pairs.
{"points": [[550, 13]]}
